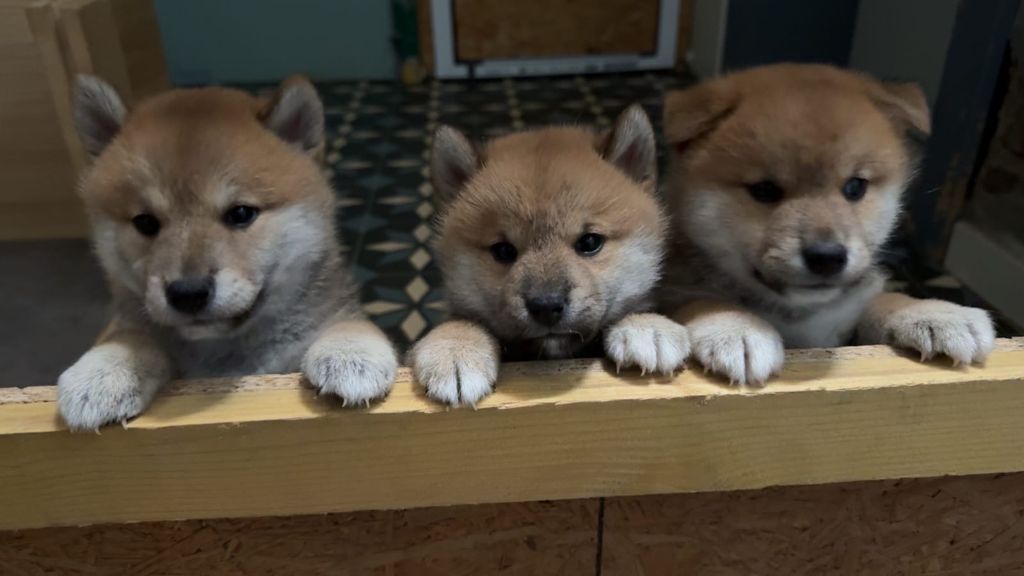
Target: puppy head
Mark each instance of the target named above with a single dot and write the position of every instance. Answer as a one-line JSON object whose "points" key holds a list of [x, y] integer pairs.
{"points": [[547, 236], [204, 201], [789, 177]]}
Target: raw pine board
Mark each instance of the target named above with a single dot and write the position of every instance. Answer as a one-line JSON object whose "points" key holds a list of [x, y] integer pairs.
{"points": [[264, 446]]}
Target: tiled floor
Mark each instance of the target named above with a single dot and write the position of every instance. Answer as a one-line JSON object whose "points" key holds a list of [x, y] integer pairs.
{"points": [[53, 301], [378, 142]]}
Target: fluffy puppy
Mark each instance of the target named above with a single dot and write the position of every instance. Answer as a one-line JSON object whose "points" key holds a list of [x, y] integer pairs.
{"points": [[215, 229], [548, 240], [784, 184]]}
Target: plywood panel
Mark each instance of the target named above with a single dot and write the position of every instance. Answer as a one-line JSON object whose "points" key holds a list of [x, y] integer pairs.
{"points": [[541, 538], [267, 445], [972, 525], [489, 29]]}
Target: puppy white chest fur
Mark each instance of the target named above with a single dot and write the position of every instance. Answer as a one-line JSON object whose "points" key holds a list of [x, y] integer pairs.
{"points": [[830, 325]]}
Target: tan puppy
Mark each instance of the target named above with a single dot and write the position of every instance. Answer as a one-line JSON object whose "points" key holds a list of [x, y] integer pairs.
{"points": [[548, 239], [215, 229], [785, 181]]}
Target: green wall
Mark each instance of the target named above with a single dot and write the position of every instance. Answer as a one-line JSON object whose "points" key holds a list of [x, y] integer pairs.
{"points": [[224, 41]]}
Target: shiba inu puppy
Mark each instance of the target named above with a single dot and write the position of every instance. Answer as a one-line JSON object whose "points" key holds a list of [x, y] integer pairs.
{"points": [[548, 240], [784, 183], [215, 229]]}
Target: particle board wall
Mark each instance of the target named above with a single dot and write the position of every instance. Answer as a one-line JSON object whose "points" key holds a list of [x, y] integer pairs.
{"points": [[967, 525], [542, 538]]}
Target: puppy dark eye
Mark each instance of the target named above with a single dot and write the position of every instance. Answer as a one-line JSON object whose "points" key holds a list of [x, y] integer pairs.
{"points": [[589, 244], [146, 224], [765, 191], [504, 252], [855, 188], [241, 216]]}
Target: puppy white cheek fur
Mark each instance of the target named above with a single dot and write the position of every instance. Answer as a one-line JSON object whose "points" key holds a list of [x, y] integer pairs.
{"points": [[462, 274], [296, 244], [110, 383], [706, 215], [738, 346], [457, 363], [650, 342], [357, 365], [233, 295], [636, 271], [119, 267]]}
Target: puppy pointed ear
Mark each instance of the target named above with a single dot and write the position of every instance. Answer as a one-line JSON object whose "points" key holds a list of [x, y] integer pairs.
{"points": [[98, 112], [630, 146], [905, 103], [295, 114], [453, 161], [691, 113]]}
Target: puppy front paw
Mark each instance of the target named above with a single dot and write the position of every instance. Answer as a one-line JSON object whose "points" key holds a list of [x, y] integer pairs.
{"points": [[738, 346], [650, 342], [356, 363], [107, 384], [456, 363], [940, 328]]}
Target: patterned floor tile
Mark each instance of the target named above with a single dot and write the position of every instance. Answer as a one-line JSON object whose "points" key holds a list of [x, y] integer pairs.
{"points": [[378, 136]]}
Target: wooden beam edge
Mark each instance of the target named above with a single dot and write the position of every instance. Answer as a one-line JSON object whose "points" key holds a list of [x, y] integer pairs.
{"points": [[232, 401], [554, 430]]}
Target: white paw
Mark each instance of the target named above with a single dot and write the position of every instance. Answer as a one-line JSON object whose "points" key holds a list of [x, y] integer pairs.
{"points": [[740, 347], [650, 342], [937, 327], [357, 366], [457, 363], [108, 384]]}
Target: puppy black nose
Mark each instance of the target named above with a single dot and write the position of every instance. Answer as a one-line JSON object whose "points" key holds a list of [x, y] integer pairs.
{"points": [[825, 258], [190, 295], [546, 309]]}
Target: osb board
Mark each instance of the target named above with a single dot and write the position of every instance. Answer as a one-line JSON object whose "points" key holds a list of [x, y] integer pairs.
{"points": [[267, 445], [542, 538], [492, 29], [952, 526]]}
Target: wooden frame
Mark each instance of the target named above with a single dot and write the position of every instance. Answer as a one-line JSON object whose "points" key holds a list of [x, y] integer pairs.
{"points": [[446, 65], [42, 44], [266, 446]]}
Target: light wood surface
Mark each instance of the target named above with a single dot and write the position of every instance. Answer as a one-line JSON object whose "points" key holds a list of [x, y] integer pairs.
{"points": [[267, 446]]}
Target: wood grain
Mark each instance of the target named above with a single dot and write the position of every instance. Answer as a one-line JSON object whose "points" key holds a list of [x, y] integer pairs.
{"points": [[970, 525], [494, 29], [541, 538], [267, 446], [42, 44]]}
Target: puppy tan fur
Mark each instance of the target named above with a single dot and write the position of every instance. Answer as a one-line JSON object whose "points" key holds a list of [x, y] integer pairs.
{"points": [[784, 183], [215, 229], [548, 240]]}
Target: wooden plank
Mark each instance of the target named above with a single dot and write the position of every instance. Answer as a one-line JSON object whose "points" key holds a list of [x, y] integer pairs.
{"points": [[968, 525], [94, 44], [37, 179], [142, 47], [495, 29], [540, 538], [267, 446]]}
